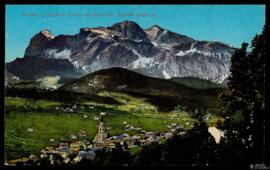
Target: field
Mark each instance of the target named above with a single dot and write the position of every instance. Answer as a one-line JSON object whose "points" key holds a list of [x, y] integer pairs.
{"points": [[49, 123]]}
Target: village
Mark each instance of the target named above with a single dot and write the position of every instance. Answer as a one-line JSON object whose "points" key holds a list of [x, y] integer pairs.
{"points": [[78, 150]]}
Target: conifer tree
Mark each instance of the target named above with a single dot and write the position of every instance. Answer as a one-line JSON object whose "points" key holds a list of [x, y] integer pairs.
{"points": [[246, 96], [255, 98], [232, 102]]}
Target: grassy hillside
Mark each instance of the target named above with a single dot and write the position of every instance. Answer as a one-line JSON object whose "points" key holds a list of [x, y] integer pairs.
{"points": [[165, 94]]}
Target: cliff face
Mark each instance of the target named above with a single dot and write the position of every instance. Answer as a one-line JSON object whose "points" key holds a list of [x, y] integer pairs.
{"points": [[33, 68], [155, 52]]}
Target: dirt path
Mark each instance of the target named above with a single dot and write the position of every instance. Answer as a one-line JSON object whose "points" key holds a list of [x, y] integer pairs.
{"points": [[216, 133]]}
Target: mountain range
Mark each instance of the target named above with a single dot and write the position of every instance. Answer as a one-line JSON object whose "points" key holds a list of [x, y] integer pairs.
{"points": [[154, 52]]}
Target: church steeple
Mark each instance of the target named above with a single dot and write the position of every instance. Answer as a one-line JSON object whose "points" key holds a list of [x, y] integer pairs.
{"points": [[101, 135]]}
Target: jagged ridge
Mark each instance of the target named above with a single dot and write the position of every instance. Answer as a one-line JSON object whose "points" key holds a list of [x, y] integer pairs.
{"points": [[155, 52]]}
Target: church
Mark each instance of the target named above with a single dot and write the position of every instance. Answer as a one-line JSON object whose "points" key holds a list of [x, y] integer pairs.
{"points": [[101, 135]]}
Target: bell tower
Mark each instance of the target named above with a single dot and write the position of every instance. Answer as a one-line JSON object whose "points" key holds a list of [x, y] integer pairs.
{"points": [[101, 135]]}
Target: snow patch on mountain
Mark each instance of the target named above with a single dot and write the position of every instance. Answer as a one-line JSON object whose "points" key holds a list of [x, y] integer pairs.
{"points": [[154, 43], [194, 50], [142, 61], [76, 64], [64, 54], [165, 74]]}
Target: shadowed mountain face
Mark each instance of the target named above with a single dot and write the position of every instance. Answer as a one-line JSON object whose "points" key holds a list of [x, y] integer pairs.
{"points": [[32, 68], [154, 52]]}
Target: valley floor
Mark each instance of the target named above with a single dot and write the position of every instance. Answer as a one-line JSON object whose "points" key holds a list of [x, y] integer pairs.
{"points": [[31, 125]]}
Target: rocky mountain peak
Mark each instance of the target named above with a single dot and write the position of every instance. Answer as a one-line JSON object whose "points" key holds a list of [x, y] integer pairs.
{"points": [[154, 31], [130, 30], [38, 42], [162, 36], [47, 33], [155, 27]]}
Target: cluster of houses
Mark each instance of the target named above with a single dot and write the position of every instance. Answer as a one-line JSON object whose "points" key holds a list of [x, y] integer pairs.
{"points": [[72, 109], [144, 137], [77, 150], [67, 109], [84, 149], [175, 127]]}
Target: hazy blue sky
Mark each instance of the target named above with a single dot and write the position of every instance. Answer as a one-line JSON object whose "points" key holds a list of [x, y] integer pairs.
{"points": [[231, 24]]}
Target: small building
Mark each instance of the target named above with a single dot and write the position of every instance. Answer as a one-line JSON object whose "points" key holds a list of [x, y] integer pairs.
{"points": [[181, 133], [103, 113], [90, 155], [136, 136], [62, 138], [96, 118], [64, 152], [90, 146], [125, 136], [173, 124], [86, 142], [30, 130], [179, 127], [127, 126], [66, 160], [99, 146], [131, 143], [74, 106], [112, 143], [151, 139], [121, 87], [15, 161], [73, 136], [77, 145], [132, 128], [162, 134], [82, 133], [33, 157], [149, 133], [168, 135], [173, 130], [143, 142], [48, 150], [63, 145]]}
